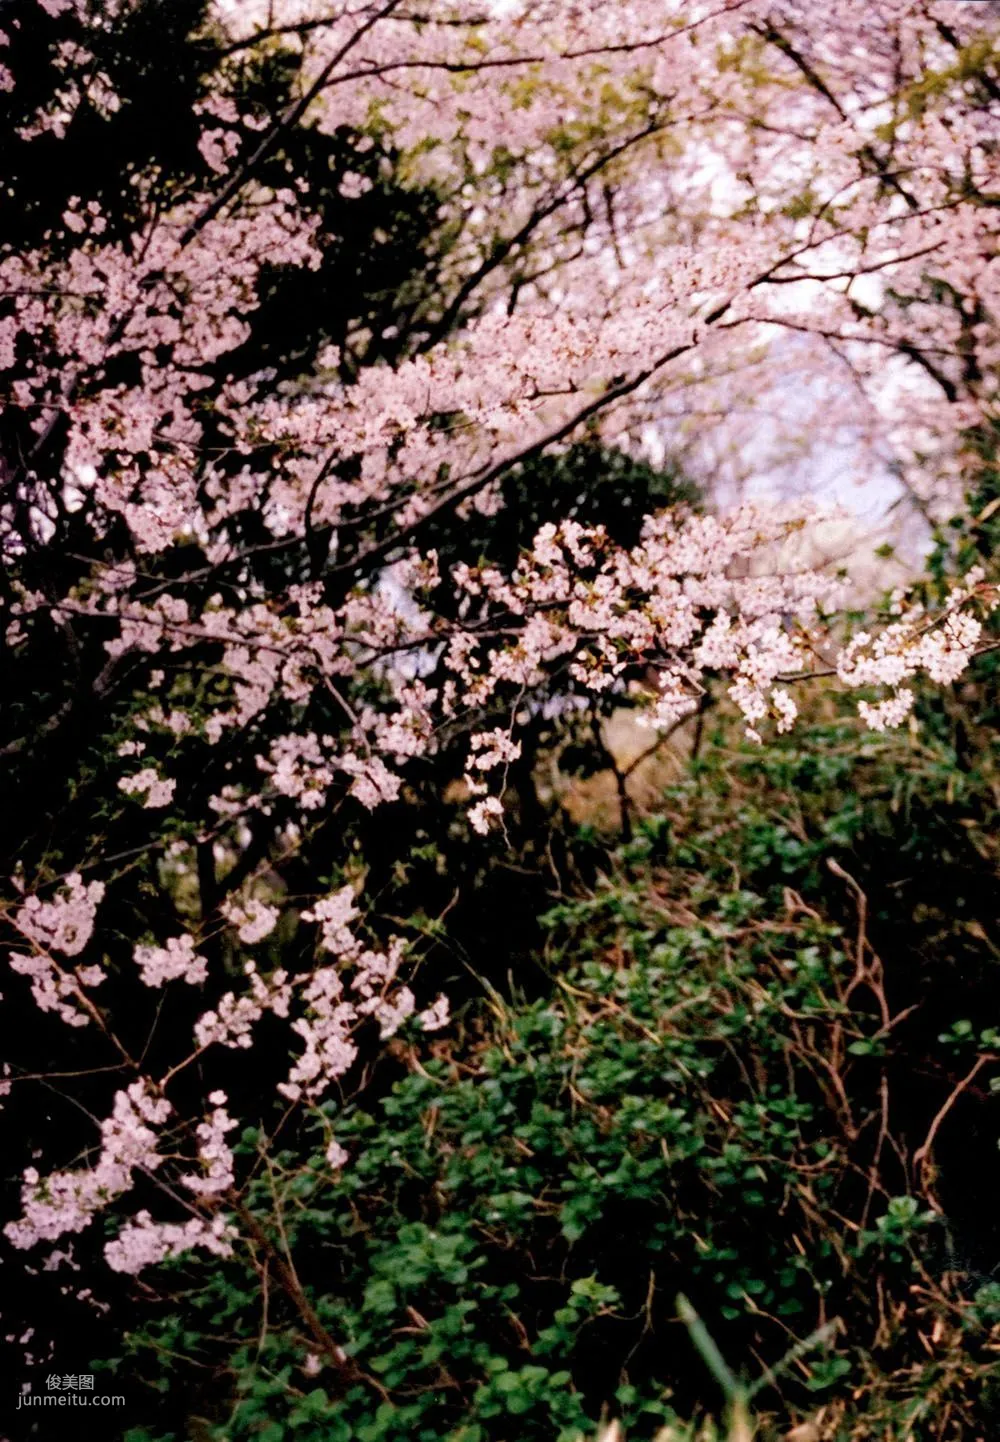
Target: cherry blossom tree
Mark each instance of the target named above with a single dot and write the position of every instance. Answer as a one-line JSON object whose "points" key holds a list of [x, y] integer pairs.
{"points": [[274, 355]]}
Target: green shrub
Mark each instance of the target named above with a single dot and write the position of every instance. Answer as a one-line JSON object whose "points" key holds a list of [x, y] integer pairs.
{"points": [[691, 1104]]}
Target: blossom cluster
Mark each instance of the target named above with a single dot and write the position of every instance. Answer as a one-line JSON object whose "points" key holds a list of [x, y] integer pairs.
{"points": [[66, 1201], [940, 648], [332, 1001]]}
